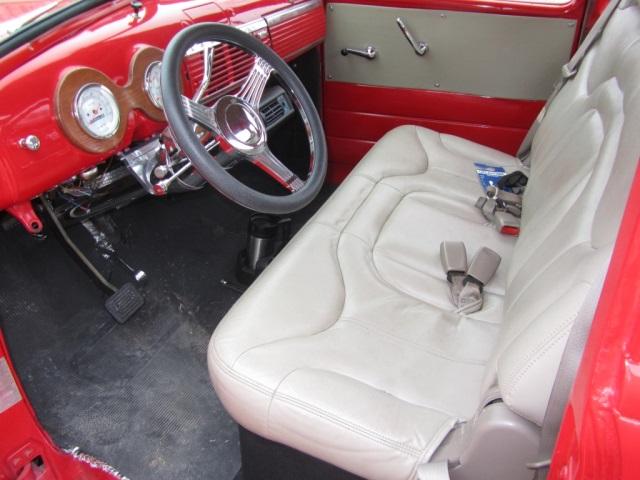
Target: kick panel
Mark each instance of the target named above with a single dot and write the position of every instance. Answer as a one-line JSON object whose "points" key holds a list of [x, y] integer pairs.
{"points": [[502, 56]]}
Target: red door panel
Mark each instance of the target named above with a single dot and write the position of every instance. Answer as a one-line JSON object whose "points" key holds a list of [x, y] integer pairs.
{"points": [[358, 115]]}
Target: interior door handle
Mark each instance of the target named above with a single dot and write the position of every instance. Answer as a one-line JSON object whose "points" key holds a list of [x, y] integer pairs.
{"points": [[369, 53], [419, 47]]}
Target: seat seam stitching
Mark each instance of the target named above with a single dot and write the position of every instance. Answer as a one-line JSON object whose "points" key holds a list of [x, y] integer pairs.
{"points": [[430, 445], [456, 215], [547, 306], [513, 385], [341, 233], [372, 435], [558, 222], [273, 394], [416, 345], [542, 347], [543, 270]]}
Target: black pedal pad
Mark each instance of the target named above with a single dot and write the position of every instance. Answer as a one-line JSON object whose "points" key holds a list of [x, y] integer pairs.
{"points": [[123, 304]]}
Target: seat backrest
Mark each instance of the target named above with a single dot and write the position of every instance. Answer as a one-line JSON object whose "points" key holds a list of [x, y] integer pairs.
{"points": [[583, 159]]}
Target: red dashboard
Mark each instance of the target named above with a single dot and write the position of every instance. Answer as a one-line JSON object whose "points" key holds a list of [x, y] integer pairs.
{"points": [[113, 44]]}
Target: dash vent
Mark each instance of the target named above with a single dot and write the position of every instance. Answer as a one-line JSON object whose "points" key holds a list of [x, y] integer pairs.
{"points": [[275, 107]]}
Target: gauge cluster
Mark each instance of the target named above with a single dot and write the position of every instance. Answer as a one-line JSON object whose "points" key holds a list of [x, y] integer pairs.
{"points": [[96, 110], [152, 83], [93, 110]]}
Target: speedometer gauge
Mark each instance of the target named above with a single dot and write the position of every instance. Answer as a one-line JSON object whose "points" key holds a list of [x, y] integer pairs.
{"points": [[152, 83], [97, 111]]}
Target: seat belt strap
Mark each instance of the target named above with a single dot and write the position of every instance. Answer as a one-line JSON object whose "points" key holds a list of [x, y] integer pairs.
{"points": [[565, 377], [453, 256], [482, 269], [569, 70], [433, 471]]}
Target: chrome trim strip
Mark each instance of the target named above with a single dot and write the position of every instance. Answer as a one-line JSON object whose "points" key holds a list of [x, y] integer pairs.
{"points": [[254, 26], [257, 27], [285, 14], [199, 48]]}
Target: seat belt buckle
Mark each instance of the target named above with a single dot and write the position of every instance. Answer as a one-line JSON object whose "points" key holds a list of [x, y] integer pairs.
{"points": [[504, 198], [507, 223], [512, 231], [483, 267], [453, 256], [487, 206]]}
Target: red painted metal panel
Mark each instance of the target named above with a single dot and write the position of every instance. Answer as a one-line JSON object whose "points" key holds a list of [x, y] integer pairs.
{"points": [[27, 91], [600, 434], [231, 66], [430, 104], [105, 39], [294, 35], [570, 9], [354, 114], [342, 151], [22, 438]]}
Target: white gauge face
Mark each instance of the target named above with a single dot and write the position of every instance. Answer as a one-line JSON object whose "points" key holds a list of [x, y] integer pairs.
{"points": [[152, 83], [97, 111]]}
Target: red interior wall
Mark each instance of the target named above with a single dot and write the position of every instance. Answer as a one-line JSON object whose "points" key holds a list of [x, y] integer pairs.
{"points": [[600, 434], [356, 116]]}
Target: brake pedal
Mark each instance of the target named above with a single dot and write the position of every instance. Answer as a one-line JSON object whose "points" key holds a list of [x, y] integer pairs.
{"points": [[124, 303]]}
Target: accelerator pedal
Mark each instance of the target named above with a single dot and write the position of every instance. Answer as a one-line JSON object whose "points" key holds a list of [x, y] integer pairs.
{"points": [[124, 303]]}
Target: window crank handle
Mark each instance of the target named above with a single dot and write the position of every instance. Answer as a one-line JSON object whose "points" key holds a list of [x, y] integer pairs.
{"points": [[369, 53], [419, 47]]}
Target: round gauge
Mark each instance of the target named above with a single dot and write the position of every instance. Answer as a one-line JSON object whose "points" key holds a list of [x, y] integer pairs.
{"points": [[97, 111], [152, 83]]}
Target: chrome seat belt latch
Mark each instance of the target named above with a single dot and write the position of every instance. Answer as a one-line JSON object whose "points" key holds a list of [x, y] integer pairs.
{"points": [[504, 216]]}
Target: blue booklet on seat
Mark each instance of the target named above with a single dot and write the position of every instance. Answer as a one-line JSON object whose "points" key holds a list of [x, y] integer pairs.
{"points": [[489, 174]]}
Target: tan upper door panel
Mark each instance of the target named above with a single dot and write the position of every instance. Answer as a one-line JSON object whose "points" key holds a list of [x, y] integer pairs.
{"points": [[502, 56]]}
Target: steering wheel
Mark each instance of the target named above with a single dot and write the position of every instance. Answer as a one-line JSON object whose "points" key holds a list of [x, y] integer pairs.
{"points": [[235, 122]]}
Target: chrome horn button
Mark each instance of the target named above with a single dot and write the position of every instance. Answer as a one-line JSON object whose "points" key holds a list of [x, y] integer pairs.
{"points": [[240, 125]]}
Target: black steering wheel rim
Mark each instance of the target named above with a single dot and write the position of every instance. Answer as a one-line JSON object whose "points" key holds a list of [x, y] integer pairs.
{"points": [[185, 136]]}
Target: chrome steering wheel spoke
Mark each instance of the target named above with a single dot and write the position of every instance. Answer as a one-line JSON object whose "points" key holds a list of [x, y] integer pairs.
{"points": [[270, 164], [253, 87], [199, 113]]}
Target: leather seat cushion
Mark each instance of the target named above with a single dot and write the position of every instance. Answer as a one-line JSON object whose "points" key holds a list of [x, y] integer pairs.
{"points": [[354, 343], [347, 347]]}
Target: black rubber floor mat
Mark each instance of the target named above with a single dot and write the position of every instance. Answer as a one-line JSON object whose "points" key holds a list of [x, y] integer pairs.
{"points": [[136, 395]]}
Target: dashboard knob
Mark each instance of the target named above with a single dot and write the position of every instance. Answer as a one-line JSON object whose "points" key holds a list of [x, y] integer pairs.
{"points": [[137, 6], [30, 142]]}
